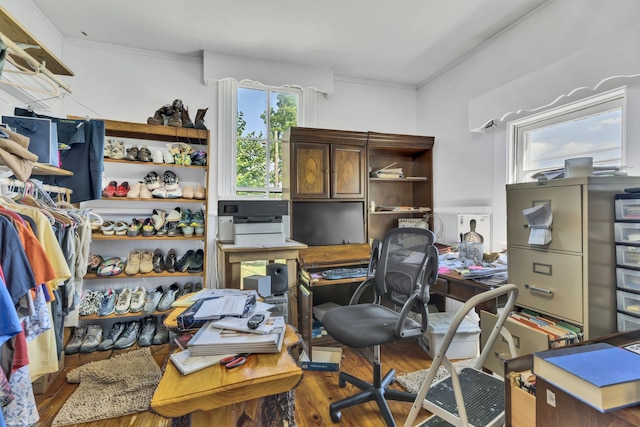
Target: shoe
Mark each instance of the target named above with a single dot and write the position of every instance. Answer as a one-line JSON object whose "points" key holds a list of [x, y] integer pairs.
{"points": [[199, 158], [148, 228], [172, 229], [120, 228], [170, 262], [146, 262], [162, 333], [107, 148], [188, 192], [158, 218], [174, 194], [186, 289], [90, 303], [147, 332], [170, 181], [174, 215], [152, 180], [138, 300], [197, 287], [158, 261], [144, 154], [197, 218], [108, 303], [168, 297], [162, 231], [135, 227], [73, 346], [122, 189], [186, 121], [153, 299], [188, 231], [145, 193], [132, 153], [93, 263], [175, 118], [92, 339], [183, 263], [117, 149], [107, 228], [157, 156], [167, 156], [197, 263], [199, 119], [134, 192], [160, 193], [158, 117], [110, 189], [129, 336], [133, 263], [112, 336], [186, 218], [200, 193], [124, 302], [111, 267]]}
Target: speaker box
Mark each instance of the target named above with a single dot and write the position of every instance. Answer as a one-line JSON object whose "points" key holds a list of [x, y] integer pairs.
{"points": [[279, 278]]}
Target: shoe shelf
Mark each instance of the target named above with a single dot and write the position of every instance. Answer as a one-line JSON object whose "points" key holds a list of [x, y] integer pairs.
{"points": [[154, 199], [125, 315], [100, 236], [152, 164], [90, 276]]}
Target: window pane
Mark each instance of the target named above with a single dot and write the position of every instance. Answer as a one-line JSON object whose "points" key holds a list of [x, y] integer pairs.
{"points": [[598, 136], [252, 106], [251, 165], [284, 113], [275, 165]]}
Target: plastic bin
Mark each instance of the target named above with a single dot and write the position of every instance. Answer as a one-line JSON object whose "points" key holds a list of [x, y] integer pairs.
{"points": [[628, 302], [627, 322], [627, 232], [628, 256], [465, 344], [628, 279]]}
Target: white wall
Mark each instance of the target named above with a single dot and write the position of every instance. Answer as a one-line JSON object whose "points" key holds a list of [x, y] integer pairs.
{"points": [[557, 47]]}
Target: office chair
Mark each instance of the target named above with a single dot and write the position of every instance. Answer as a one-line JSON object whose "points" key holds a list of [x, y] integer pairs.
{"points": [[471, 397], [401, 269]]}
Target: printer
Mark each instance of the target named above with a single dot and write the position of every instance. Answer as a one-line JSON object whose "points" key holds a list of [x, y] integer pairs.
{"points": [[253, 222]]}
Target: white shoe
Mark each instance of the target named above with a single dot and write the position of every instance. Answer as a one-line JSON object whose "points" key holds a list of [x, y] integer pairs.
{"points": [[138, 299], [158, 157], [168, 157], [124, 302], [160, 193], [174, 194]]}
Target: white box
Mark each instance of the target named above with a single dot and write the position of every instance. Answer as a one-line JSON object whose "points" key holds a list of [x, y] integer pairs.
{"points": [[465, 344], [324, 359], [260, 284]]}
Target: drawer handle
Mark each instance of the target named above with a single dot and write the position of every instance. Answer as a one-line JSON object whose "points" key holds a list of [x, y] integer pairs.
{"points": [[536, 289], [503, 357]]}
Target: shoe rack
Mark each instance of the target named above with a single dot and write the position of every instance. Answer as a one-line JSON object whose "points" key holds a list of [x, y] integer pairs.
{"points": [[125, 209]]}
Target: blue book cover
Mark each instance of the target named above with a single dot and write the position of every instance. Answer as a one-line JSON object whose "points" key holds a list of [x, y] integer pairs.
{"points": [[601, 375]]}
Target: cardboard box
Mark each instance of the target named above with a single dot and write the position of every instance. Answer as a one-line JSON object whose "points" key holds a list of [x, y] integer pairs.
{"points": [[42, 384], [324, 359], [465, 344]]}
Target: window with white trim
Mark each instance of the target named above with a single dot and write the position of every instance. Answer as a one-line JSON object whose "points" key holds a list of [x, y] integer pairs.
{"points": [[263, 115], [592, 127]]}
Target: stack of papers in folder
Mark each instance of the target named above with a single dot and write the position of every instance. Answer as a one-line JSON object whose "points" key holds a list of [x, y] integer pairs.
{"points": [[211, 340], [217, 308]]}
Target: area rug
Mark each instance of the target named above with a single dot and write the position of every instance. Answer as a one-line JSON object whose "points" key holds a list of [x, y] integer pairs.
{"points": [[111, 388], [413, 381]]}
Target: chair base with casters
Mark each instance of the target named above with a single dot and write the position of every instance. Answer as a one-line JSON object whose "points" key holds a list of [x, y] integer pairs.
{"points": [[377, 390], [471, 397]]}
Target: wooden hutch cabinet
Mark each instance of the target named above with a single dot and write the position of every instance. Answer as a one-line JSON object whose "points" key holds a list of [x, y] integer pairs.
{"points": [[324, 164]]}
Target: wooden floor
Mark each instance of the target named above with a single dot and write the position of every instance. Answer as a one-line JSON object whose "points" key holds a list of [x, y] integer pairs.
{"points": [[313, 395]]}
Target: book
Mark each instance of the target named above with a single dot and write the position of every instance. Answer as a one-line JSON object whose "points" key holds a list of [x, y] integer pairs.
{"points": [[601, 375], [240, 324], [232, 305], [182, 341], [187, 364]]}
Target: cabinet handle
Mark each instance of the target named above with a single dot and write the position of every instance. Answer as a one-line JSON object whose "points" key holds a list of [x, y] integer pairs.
{"points": [[537, 289], [502, 356]]}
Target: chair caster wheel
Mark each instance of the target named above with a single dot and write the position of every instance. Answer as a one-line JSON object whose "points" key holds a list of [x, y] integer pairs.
{"points": [[336, 416], [342, 383]]}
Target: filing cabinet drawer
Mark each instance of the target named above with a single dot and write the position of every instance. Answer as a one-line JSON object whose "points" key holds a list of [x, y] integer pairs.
{"points": [[566, 206], [526, 340], [548, 282]]}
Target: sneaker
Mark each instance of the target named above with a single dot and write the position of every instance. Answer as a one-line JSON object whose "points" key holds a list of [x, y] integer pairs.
{"points": [[144, 154], [168, 297], [175, 215], [152, 180], [170, 180], [138, 300], [174, 194], [158, 261], [153, 299], [146, 262], [145, 193], [108, 304], [134, 192], [114, 333], [158, 157], [92, 339], [117, 149], [148, 330], [160, 193], [158, 218], [172, 229], [132, 153], [197, 287], [170, 262], [186, 218], [124, 302], [90, 303], [197, 263], [162, 333], [129, 336], [135, 227], [167, 156], [148, 228], [183, 263], [73, 346], [162, 231], [133, 263]]}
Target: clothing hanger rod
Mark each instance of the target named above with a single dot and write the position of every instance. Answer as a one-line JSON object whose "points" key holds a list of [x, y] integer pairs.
{"points": [[48, 188]]}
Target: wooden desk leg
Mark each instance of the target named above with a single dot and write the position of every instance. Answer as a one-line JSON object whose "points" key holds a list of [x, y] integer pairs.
{"points": [[245, 412], [235, 278]]}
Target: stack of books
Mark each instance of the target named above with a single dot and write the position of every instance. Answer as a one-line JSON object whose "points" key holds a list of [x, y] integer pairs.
{"points": [[211, 340], [388, 172]]}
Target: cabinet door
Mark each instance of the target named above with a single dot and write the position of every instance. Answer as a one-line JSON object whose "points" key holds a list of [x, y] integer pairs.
{"points": [[311, 171], [348, 166]]}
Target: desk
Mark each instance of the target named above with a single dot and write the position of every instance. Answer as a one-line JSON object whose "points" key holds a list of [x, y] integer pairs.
{"points": [[231, 257], [453, 285], [221, 394]]}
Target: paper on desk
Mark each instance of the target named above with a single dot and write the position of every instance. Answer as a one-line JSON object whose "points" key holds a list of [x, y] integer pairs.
{"points": [[220, 307], [540, 219]]}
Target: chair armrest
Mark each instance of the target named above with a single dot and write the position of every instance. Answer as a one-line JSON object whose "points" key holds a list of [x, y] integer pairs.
{"points": [[368, 283]]}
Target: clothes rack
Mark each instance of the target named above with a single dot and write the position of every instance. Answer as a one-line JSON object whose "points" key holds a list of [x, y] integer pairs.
{"points": [[61, 191]]}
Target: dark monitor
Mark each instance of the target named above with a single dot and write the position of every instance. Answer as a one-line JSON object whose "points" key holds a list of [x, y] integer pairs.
{"points": [[327, 223]]}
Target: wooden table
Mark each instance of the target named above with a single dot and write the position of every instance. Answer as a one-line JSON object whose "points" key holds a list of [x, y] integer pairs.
{"points": [[231, 257], [219, 396], [453, 285]]}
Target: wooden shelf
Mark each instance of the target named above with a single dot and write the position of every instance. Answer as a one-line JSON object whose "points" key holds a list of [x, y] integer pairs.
{"points": [[153, 199], [407, 179], [42, 169], [152, 164], [98, 235], [21, 36], [124, 316], [401, 212], [122, 275]]}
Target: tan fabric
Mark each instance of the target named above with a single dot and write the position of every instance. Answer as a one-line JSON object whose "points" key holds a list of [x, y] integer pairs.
{"points": [[14, 154]]}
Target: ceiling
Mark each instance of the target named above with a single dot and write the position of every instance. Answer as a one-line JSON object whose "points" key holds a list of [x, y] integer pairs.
{"points": [[402, 41]]}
